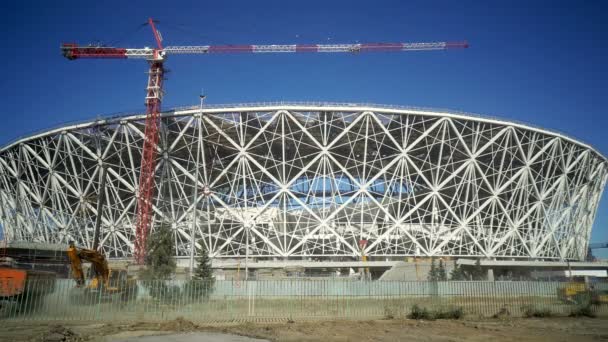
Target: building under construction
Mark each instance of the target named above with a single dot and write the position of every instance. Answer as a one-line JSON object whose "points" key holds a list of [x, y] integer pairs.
{"points": [[314, 182]]}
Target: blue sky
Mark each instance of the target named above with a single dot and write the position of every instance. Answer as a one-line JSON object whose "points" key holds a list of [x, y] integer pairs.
{"points": [[537, 62]]}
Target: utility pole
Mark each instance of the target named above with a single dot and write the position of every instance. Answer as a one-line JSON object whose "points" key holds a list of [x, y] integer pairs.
{"points": [[195, 199], [100, 202], [247, 254]]}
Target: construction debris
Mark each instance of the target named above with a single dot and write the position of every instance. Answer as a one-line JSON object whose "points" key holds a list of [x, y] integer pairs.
{"points": [[59, 333]]}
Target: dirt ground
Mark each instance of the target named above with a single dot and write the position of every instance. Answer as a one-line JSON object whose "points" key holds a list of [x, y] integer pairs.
{"points": [[520, 330]]}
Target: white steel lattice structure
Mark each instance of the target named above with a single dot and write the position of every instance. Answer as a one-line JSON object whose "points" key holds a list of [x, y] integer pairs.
{"points": [[294, 180]]}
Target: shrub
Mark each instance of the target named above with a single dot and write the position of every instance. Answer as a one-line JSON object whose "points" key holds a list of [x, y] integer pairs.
{"points": [[452, 313], [388, 313], [583, 311], [419, 313], [530, 312], [422, 313], [503, 312]]}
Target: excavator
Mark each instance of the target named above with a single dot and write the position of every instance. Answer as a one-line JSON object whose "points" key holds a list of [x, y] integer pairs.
{"points": [[582, 293], [106, 283]]}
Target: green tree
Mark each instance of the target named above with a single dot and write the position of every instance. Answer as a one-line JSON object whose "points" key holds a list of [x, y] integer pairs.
{"points": [[203, 270], [160, 262], [202, 283], [432, 276], [458, 273], [477, 272], [441, 274]]}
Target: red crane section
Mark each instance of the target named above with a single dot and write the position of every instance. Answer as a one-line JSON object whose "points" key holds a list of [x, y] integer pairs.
{"points": [[154, 94]]}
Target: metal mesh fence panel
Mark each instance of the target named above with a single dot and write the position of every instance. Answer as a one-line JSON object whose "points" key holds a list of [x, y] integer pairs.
{"points": [[290, 299]]}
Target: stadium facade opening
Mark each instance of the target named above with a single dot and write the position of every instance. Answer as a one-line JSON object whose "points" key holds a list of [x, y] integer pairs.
{"points": [[293, 181]]}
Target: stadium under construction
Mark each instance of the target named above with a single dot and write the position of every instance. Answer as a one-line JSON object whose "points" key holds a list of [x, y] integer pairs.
{"points": [[328, 183]]}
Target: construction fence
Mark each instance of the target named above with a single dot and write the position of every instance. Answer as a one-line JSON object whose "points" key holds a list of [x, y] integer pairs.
{"points": [[296, 299]]}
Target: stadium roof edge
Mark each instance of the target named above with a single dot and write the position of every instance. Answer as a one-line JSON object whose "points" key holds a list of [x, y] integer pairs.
{"points": [[311, 106]]}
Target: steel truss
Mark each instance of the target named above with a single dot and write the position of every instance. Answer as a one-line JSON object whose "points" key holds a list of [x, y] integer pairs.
{"points": [[311, 181]]}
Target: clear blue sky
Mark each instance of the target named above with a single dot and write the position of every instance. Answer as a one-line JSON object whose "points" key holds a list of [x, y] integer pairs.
{"points": [[538, 62]]}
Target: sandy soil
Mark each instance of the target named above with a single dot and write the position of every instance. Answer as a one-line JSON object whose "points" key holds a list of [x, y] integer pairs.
{"points": [[520, 330]]}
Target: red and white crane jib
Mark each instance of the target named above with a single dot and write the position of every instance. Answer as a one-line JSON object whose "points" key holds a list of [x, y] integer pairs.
{"points": [[73, 51], [364, 47]]}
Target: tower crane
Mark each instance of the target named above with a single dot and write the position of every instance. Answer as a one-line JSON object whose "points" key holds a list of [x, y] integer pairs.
{"points": [[154, 93]]}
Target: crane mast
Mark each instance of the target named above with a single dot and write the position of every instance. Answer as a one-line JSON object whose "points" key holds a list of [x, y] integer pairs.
{"points": [[154, 93], [148, 160]]}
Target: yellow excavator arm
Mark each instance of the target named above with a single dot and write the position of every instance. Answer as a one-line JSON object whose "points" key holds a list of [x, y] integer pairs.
{"points": [[98, 260]]}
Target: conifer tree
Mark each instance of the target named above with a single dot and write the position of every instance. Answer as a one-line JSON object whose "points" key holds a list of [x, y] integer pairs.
{"points": [[441, 273], [433, 272], [458, 273], [202, 283], [160, 256], [477, 272], [203, 270], [160, 263]]}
